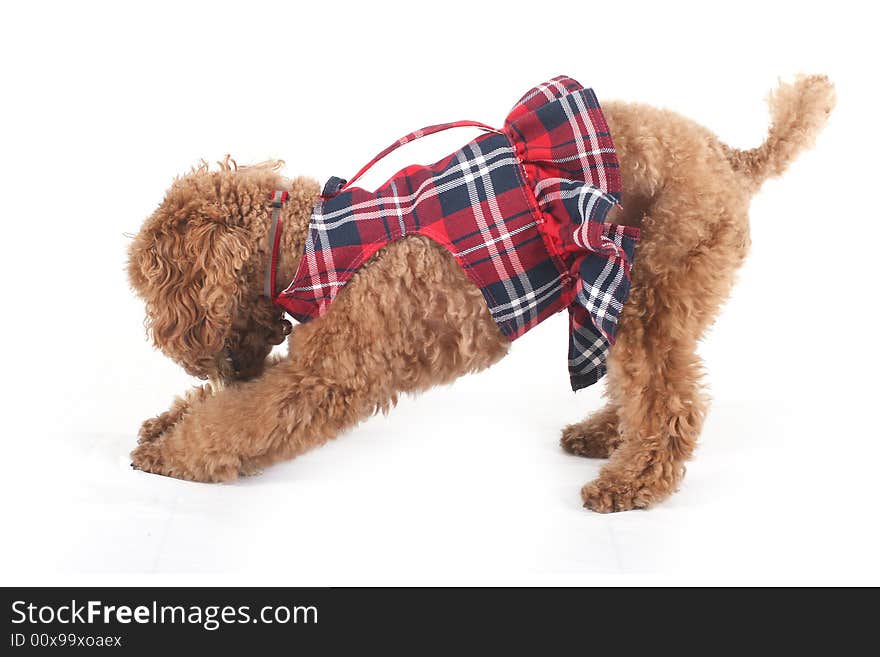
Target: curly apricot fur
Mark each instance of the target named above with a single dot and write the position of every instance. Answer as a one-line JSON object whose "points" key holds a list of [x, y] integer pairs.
{"points": [[410, 318]]}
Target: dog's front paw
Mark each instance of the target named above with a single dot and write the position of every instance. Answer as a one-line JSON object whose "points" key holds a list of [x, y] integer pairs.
{"points": [[156, 457], [155, 427], [149, 457], [250, 469], [146, 456]]}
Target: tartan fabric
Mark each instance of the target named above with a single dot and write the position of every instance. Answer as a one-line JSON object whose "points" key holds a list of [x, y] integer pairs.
{"points": [[521, 209]]}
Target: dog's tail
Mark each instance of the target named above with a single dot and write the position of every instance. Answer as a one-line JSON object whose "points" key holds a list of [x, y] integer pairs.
{"points": [[798, 112]]}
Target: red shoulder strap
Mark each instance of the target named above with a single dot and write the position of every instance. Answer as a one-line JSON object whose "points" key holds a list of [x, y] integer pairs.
{"points": [[429, 130]]}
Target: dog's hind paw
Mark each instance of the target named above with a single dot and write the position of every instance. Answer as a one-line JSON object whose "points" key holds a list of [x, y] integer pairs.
{"points": [[609, 494], [609, 497], [596, 437]]}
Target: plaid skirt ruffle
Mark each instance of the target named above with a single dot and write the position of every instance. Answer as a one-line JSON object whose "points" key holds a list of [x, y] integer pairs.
{"points": [[522, 210]]}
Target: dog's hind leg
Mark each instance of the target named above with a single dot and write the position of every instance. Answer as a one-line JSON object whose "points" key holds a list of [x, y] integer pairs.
{"points": [[408, 320], [654, 374], [657, 387]]}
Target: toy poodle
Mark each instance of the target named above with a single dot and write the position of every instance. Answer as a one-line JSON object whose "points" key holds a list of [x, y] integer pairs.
{"points": [[412, 316]]}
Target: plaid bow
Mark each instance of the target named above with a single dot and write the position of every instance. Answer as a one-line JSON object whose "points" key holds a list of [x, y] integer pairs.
{"points": [[522, 210], [565, 146]]}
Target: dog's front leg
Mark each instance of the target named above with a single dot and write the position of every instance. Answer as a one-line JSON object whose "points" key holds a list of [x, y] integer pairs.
{"points": [[154, 427], [249, 425], [408, 320]]}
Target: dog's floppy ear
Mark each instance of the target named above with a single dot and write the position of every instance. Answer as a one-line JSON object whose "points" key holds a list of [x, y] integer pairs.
{"points": [[185, 264]]}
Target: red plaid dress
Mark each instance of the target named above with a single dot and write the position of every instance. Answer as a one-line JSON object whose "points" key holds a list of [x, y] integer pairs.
{"points": [[523, 211]]}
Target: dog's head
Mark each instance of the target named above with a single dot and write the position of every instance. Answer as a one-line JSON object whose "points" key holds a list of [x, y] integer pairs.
{"points": [[198, 263]]}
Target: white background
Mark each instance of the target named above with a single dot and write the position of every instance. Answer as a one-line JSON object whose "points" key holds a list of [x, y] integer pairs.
{"points": [[103, 104]]}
